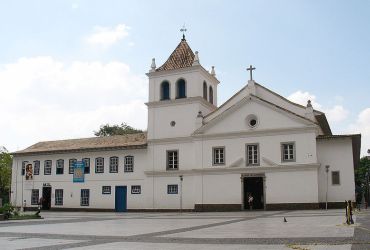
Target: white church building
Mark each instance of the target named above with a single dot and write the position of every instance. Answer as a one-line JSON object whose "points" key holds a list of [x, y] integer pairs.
{"points": [[196, 155]]}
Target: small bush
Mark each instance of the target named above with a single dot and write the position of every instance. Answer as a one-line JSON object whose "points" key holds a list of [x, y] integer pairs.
{"points": [[8, 210]]}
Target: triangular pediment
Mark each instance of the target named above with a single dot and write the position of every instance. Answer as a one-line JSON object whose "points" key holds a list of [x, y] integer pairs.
{"points": [[267, 115]]}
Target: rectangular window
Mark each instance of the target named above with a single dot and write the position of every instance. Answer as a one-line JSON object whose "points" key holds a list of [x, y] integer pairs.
{"points": [[24, 163], [172, 189], [288, 151], [172, 160], [335, 178], [218, 156], [47, 167], [136, 189], [99, 165], [106, 190], [113, 164], [252, 155], [60, 167], [59, 197], [36, 167], [85, 197], [87, 165], [35, 197], [71, 165], [129, 164]]}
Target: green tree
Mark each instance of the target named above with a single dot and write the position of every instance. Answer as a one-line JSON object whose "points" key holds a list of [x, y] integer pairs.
{"points": [[360, 177], [109, 130], [5, 175]]}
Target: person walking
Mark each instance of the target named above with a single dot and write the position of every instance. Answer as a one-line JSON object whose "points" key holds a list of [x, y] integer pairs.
{"points": [[250, 201]]}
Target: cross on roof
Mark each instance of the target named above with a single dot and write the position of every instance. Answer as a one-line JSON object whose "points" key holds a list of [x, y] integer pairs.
{"points": [[183, 30], [250, 69]]}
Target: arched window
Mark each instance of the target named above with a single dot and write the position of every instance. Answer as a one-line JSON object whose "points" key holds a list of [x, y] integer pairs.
{"points": [[210, 94], [205, 90], [165, 90], [180, 89]]}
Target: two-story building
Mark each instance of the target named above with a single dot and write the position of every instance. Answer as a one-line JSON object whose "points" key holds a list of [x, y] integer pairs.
{"points": [[195, 154]]}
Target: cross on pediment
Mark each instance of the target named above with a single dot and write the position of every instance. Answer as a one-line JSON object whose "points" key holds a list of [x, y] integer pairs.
{"points": [[183, 30], [250, 69]]}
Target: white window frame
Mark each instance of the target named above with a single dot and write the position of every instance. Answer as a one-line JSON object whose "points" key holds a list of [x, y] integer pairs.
{"points": [[252, 154], [24, 163], [218, 155], [136, 189], [85, 197], [34, 199], [87, 164], [113, 164], [289, 154], [129, 164], [71, 163], [59, 197], [106, 189], [36, 167], [172, 157], [99, 165], [47, 167], [172, 189], [332, 180], [59, 165]]}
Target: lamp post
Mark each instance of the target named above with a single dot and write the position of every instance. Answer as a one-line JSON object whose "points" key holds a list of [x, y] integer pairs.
{"points": [[327, 185], [181, 179], [367, 188]]}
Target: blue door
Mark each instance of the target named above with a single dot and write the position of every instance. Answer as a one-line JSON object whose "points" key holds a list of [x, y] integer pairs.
{"points": [[121, 199]]}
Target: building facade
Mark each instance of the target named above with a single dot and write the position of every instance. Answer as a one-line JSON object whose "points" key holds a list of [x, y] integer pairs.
{"points": [[196, 155]]}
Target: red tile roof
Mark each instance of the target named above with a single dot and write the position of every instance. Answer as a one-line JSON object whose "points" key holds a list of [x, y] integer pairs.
{"points": [[181, 57], [130, 141]]}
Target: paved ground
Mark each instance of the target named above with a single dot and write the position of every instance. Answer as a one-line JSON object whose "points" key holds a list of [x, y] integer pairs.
{"points": [[314, 229]]}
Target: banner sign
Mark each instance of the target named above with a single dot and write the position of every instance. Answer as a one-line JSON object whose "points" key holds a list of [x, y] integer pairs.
{"points": [[79, 171], [29, 172]]}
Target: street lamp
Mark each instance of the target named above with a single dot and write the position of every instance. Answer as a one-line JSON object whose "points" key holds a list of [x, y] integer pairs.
{"points": [[327, 185], [181, 179], [367, 187]]}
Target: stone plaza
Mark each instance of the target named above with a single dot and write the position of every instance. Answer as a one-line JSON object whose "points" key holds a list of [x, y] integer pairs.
{"points": [[310, 229]]}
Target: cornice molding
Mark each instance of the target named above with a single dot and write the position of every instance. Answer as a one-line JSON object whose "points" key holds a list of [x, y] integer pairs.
{"points": [[195, 68], [238, 134], [181, 101], [234, 170]]}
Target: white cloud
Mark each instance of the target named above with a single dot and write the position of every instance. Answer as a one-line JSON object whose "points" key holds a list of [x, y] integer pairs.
{"points": [[362, 125], [334, 114], [301, 97], [107, 36], [45, 99]]}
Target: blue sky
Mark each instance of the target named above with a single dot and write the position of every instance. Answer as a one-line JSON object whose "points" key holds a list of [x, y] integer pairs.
{"points": [[61, 62]]}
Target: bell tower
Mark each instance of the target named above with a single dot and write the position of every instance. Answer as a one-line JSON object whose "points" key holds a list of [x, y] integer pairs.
{"points": [[180, 91]]}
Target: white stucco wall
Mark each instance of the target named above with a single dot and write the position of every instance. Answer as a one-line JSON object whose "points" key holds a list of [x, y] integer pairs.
{"points": [[292, 187], [93, 181], [337, 153]]}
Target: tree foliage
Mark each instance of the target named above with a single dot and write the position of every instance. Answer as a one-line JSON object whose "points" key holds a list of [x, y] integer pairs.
{"points": [[361, 179], [109, 130], [5, 175], [360, 172]]}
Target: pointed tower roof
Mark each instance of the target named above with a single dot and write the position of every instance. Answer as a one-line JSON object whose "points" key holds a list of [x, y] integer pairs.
{"points": [[181, 57]]}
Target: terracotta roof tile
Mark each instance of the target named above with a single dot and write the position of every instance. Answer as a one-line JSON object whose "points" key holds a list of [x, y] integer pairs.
{"points": [[181, 57], [138, 140]]}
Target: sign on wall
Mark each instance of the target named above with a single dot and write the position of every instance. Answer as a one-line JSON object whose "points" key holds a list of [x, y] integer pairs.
{"points": [[79, 171], [29, 173]]}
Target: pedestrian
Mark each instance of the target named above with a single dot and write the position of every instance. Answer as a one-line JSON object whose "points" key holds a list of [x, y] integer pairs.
{"points": [[40, 203], [250, 201]]}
